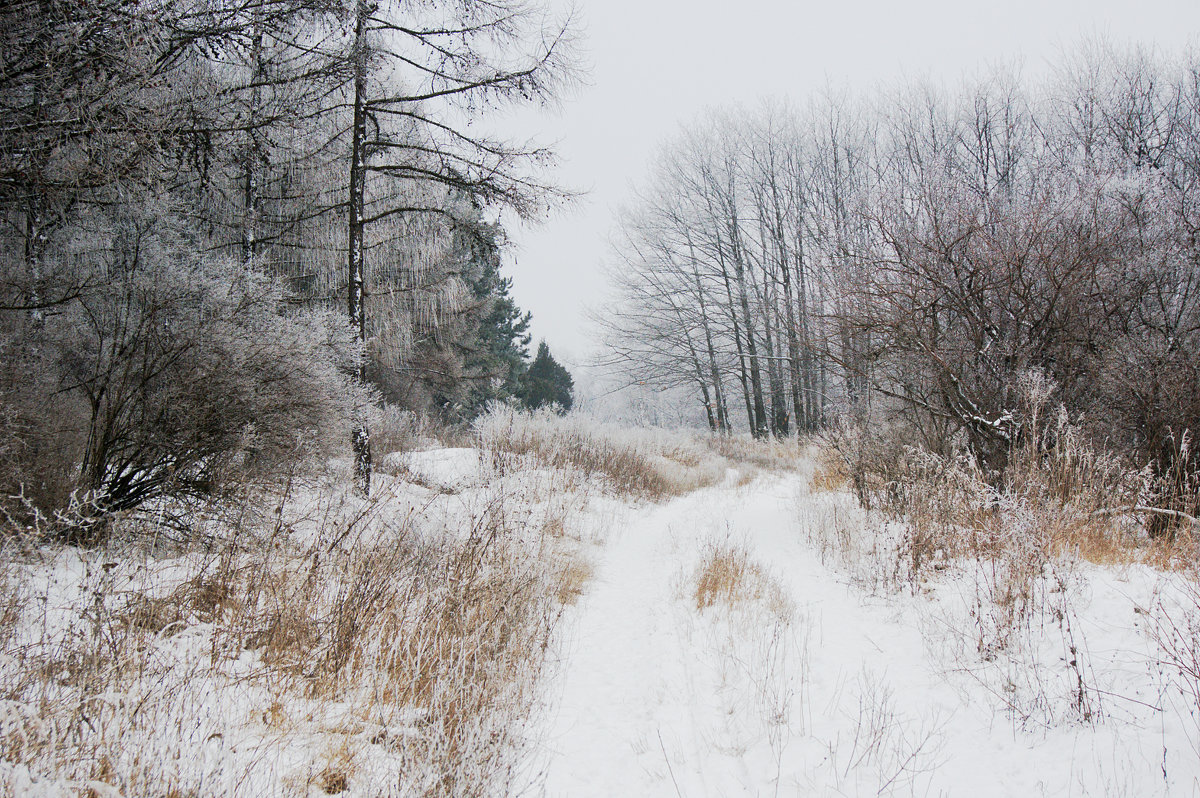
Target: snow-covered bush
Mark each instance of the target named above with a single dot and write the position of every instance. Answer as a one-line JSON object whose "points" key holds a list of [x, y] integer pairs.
{"points": [[1080, 500], [1004, 550], [394, 429], [174, 374]]}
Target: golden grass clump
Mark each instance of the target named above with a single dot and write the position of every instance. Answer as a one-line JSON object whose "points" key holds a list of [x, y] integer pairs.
{"points": [[829, 472], [572, 576], [726, 576]]}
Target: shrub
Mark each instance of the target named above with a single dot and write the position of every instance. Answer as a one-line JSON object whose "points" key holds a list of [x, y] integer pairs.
{"points": [[1079, 498], [174, 375]]}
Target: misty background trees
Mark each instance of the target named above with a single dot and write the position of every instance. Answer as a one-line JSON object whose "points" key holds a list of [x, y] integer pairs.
{"points": [[232, 229], [912, 258]]}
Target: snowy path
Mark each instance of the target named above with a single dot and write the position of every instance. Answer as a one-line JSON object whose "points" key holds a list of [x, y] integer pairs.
{"points": [[654, 698], [625, 680]]}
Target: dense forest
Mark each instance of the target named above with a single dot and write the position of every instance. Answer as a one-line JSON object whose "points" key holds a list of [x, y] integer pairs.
{"points": [[232, 231]]}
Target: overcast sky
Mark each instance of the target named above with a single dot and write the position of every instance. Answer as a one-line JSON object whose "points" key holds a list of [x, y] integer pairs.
{"points": [[656, 64]]}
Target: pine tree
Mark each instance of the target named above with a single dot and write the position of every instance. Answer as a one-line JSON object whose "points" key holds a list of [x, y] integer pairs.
{"points": [[421, 75], [502, 352], [547, 383]]}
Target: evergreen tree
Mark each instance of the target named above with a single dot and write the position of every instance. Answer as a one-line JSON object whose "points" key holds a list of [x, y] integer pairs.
{"points": [[503, 338], [547, 383], [468, 340]]}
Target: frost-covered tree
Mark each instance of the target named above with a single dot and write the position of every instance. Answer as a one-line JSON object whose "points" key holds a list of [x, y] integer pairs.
{"points": [[718, 280], [454, 339], [176, 182], [501, 352], [420, 74], [919, 257], [83, 106], [177, 374]]}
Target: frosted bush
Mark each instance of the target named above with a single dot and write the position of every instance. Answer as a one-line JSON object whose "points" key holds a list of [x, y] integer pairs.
{"points": [[177, 374]]}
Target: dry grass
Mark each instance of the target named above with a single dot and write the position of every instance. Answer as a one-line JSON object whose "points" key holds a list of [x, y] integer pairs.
{"points": [[374, 642], [726, 576], [1007, 559], [572, 576], [396, 430], [646, 463], [1011, 545], [758, 643], [768, 455], [1078, 502], [641, 468], [565, 554], [649, 464], [339, 772], [830, 474]]}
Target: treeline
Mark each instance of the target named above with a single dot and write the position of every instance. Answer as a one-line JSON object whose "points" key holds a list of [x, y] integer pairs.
{"points": [[918, 256], [196, 197]]}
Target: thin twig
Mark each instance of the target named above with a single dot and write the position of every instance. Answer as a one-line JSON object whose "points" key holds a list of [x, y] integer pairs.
{"points": [[670, 770]]}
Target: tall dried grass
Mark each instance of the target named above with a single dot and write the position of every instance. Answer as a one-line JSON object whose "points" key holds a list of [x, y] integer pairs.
{"points": [[726, 576], [1074, 500], [646, 463], [750, 623], [378, 657], [642, 462], [1008, 545]]}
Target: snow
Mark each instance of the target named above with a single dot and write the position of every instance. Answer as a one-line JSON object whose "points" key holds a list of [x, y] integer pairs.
{"points": [[453, 468], [845, 686], [856, 693]]}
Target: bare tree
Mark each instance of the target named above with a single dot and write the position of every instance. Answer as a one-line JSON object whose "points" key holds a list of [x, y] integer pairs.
{"points": [[919, 256]]}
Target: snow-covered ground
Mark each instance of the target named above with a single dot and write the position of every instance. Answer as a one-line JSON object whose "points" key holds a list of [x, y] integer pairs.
{"points": [[847, 690], [827, 678]]}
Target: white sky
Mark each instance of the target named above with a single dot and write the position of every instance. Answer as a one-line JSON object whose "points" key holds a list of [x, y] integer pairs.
{"points": [[656, 64]]}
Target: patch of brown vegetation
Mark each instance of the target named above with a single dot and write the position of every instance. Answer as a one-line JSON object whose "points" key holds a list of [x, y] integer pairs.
{"points": [[727, 576], [572, 578], [829, 472]]}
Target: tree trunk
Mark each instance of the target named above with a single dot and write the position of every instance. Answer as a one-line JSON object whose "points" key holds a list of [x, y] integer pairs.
{"points": [[718, 391], [355, 210], [793, 342], [737, 338], [759, 426], [778, 417], [770, 315], [36, 238], [255, 155]]}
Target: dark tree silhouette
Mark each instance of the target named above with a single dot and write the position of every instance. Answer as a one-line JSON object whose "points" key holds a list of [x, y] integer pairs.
{"points": [[547, 383]]}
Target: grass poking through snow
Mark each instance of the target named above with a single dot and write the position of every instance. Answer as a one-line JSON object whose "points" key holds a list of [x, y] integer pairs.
{"points": [[727, 576]]}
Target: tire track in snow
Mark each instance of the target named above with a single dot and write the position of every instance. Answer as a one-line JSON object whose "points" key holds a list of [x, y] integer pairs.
{"points": [[623, 692], [635, 710]]}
